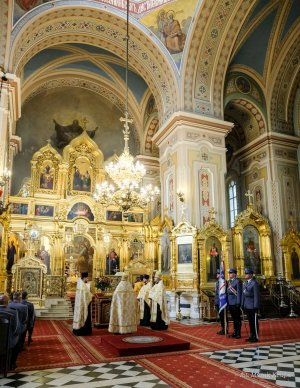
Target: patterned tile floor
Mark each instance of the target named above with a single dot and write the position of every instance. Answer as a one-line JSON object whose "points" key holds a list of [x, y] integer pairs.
{"points": [[279, 364], [114, 374]]}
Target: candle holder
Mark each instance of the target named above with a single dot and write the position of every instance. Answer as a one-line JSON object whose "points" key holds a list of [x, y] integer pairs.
{"points": [[292, 313], [280, 279], [178, 315]]}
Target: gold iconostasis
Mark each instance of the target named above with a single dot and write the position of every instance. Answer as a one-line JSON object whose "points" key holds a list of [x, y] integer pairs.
{"points": [[56, 220]]}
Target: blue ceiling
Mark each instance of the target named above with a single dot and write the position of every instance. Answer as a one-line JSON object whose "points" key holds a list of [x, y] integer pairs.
{"points": [[86, 61], [253, 51]]}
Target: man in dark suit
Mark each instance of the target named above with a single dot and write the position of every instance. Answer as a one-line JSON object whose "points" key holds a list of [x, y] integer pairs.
{"points": [[14, 329], [251, 303], [234, 293], [31, 315], [23, 316]]}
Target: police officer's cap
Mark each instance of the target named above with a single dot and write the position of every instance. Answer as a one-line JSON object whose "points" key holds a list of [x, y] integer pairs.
{"points": [[232, 270], [248, 271]]}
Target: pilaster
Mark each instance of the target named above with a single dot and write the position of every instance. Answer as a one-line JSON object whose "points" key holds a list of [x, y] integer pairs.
{"points": [[193, 163]]}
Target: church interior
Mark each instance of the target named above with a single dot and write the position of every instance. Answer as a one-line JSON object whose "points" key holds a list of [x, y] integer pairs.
{"points": [[143, 136]]}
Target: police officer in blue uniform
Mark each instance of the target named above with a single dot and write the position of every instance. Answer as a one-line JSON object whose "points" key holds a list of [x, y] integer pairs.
{"points": [[217, 306], [251, 303], [234, 293]]}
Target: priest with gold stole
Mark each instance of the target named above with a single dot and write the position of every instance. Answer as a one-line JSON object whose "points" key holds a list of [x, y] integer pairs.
{"points": [[145, 302], [159, 309], [82, 320], [123, 317]]}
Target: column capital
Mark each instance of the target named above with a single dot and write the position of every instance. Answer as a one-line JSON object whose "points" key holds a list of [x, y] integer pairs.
{"points": [[198, 123]]}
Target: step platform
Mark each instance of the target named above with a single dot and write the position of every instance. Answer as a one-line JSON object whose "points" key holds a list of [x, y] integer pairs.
{"points": [[134, 344]]}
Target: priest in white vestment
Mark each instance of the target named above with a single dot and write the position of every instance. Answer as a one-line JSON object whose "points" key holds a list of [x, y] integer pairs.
{"points": [[159, 309], [123, 318], [145, 301], [82, 319]]}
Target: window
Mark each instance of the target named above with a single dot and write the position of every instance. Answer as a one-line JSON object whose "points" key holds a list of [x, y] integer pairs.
{"points": [[232, 202]]}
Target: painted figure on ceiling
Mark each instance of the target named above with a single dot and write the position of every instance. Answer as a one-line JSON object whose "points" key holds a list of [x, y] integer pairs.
{"points": [[26, 5], [174, 37], [66, 133]]}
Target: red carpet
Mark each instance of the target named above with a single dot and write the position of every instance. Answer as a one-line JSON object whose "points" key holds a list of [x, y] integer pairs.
{"points": [[55, 346], [121, 348]]}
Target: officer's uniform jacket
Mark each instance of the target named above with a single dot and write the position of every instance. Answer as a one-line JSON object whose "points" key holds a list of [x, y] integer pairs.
{"points": [[251, 295], [234, 292]]}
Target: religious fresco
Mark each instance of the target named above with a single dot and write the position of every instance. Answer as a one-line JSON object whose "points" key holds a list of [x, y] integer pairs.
{"points": [[205, 195], [184, 253], [82, 175], [36, 125], [44, 210], [79, 257], [258, 200], [19, 208], [47, 178], [136, 7], [43, 252], [112, 215], [135, 217], [171, 24], [252, 249], [80, 209], [169, 20], [213, 249], [64, 134]]}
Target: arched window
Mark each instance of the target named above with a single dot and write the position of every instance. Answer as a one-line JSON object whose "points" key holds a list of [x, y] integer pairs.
{"points": [[232, 201]]}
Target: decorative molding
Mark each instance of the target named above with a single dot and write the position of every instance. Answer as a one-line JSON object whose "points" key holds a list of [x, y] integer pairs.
{"points": [[97, 27]]}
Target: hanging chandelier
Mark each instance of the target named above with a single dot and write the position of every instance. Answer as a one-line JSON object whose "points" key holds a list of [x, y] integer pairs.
{"points": [[125, 173]]}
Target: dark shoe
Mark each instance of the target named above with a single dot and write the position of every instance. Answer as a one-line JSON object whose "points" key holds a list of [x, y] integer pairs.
{"points": [[221, 332], [233, 335], [238, 336], [249, 339], [253, 340]]}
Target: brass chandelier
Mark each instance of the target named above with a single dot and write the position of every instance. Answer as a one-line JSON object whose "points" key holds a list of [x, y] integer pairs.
{"points": [[125, 173]]}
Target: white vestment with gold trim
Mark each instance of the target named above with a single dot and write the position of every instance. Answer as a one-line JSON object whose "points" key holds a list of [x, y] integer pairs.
{"points": [[123, 318], [143, 296], [83, 298], [158, 296]]}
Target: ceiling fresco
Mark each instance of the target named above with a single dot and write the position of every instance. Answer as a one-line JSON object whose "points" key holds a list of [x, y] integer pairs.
{"points": [[169, 20], [137, 7]]}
